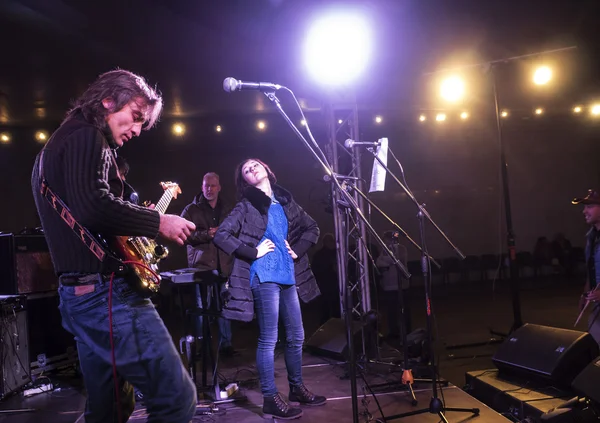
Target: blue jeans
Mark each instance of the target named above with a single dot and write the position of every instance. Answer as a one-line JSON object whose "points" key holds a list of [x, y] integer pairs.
{"points": [[271, 301], [224, 324], [145, 354]]}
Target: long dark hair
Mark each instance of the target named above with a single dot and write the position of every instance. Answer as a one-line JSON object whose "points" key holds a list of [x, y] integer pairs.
{"points": [[240, 182], [121, 87]]}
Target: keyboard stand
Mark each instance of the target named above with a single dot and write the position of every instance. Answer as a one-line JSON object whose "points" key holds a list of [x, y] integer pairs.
{"points": [[209, 284]]}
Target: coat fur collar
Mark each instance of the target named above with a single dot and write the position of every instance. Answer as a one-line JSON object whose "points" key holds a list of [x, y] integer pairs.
{"points": [[262, 202]]}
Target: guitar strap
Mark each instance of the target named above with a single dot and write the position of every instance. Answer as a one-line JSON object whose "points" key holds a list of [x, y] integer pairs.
{"points": [[109, 261]]}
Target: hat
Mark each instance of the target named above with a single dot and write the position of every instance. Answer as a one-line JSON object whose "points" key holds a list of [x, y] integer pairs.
{"points": [[593, 197]]}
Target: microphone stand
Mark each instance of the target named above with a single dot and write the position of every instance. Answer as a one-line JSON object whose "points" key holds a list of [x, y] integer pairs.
{"points": [[407, 376], [351, 206], [435, 405], [395, 225]]}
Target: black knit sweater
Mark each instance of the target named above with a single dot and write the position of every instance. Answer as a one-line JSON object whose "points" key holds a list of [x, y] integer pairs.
{"points": [[79, 166]]}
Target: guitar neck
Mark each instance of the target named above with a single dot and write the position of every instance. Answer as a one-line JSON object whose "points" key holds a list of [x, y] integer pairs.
{"points": [[164, 202]]}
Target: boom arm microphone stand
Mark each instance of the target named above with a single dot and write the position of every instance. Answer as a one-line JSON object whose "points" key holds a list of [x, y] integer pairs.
{"points": [[349, 203], [395, 225], [407, 377], [435, 405]]}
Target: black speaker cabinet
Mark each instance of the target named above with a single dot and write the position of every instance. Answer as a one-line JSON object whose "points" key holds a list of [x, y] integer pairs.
{"points": [[14, 348], [330, 339], [545, 353], [586, 383], [25, 265]]}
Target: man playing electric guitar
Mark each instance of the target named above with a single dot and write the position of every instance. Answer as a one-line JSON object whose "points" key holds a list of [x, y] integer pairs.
{"points": [[121, 339]]}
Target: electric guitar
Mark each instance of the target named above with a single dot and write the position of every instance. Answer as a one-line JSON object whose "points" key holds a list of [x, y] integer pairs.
{"points": [[144, 251]]}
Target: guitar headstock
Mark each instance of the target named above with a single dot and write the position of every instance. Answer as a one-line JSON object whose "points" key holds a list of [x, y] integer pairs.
{"points": [[171, 186]]}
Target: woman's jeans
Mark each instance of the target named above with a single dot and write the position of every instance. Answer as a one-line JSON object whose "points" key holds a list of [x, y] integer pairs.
{"points": [[271, 302], [145, 354]]}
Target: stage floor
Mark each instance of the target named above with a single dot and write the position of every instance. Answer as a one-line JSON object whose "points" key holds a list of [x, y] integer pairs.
{"points": [[321, 375], [465, 313]]}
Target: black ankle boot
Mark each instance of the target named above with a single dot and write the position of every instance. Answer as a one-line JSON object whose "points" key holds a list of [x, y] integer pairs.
{"points": [[276, 407], [301, 395]]}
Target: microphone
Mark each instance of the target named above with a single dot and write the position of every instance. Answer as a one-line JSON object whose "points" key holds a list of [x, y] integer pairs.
{"points": [[328, 178], [351, 143], [231, 84]]}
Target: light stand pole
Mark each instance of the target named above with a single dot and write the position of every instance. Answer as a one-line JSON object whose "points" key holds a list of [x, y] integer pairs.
{"points": [[510, 232]]}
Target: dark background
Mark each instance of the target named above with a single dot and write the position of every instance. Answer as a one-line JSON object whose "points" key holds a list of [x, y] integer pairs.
{"points": [[52, 49]]}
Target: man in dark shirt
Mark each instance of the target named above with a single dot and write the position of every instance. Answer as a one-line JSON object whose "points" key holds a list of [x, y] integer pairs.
{"points": [[591, 212], [207, 211], [121, 340]]}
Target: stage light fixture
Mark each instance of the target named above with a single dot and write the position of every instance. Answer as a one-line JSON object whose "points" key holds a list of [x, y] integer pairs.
{"points": [[577, 109], [178, 129], [337, 48], [378, 119], [303, 122], [440, 117], [504, 113], [261, 125], [452, 89], [542, 75], [4, 138], [539, 111], [595, 110], [218, 128], [422, 118], [340, 121], [464, 115]]}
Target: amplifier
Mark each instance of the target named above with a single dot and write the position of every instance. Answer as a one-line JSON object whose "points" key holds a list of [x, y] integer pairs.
{"points": [[25, 265], [14, 340]]}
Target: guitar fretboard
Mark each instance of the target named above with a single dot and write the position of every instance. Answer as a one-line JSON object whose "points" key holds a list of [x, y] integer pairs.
{"points": [[164, 202]]}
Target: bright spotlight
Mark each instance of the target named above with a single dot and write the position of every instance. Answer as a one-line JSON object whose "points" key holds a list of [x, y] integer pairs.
{"points": [[4, 137], [218, 128], [440, 117], [337, 48], [464, 115], [378, 119], [595, 110], [577, 109], [41, 136], [261, 125], [539, 111], [340, 121], [504, 113], [452, 89], [178, 129], [422, 118], [542, 75], [303, 122]]}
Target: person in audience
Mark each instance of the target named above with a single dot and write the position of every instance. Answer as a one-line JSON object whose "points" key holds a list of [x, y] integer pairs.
{"points": [[390, 281]]}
